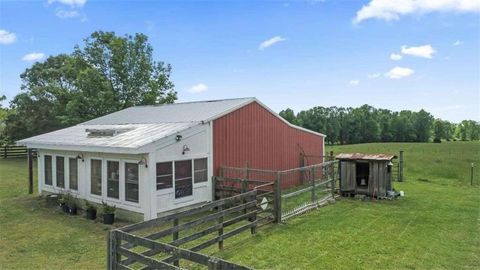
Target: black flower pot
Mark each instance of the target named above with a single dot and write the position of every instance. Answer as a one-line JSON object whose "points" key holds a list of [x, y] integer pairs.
{"points": [[52, 200], [72, 210], [108, 218], [64, 207], [91, 214]]}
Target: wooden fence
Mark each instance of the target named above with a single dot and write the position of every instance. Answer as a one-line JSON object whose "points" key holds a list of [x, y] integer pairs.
{"points": [[169, 241], [13, 151]]}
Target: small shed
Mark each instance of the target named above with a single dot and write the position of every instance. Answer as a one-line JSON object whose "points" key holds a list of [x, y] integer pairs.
{"points": [[367, 174]]}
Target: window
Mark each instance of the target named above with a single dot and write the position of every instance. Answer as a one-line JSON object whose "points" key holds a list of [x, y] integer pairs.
{"points": [[113, 176], [183, 178], [131, 182], [96, 177], [73, 173], [60, 162], [200, 170], [48, 169], [164, 175]]}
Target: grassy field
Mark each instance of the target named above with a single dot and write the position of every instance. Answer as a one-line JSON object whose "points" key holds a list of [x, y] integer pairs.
{"points": [[435, 226]]}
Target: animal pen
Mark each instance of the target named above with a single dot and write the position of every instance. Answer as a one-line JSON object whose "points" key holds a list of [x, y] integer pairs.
{"points": [[247, 199]]}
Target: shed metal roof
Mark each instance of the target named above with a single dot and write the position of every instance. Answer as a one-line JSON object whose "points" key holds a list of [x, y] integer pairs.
{"points": [[76, 137], [171, 113], [147, 124], [361, 156]]}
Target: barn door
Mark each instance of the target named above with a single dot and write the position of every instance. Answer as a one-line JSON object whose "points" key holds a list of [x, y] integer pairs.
{"points": [[348, 175]]}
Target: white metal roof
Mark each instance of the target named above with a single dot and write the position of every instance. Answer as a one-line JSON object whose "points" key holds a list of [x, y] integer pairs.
{"points": [[171, 113], [148, 124], [76, 137]]}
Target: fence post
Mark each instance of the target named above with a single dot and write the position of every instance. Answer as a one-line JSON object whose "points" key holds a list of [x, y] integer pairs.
{"points": [[112, 255], [331, 156], [175, 237], [30, 171], [302, 164], [214, 188], [213, 264], [5, 151], [471, 175], [253, 230], [333, 177], [220, 231], [313, 184], [278, 198], [400, 167]]}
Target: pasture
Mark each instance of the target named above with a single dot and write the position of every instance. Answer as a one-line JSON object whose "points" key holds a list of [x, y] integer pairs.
{"points": [[435, 226]]}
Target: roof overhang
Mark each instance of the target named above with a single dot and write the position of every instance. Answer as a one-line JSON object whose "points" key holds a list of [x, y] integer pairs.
{"points": [[362, 156]]}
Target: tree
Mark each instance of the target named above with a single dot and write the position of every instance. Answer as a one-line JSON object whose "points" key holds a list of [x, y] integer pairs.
{"points": [[107, 74], [288, 115]]}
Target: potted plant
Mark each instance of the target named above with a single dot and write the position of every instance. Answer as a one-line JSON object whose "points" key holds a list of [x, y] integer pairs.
{"points": [[63, 200], [108, 213], [72, 206], [91, 210]]}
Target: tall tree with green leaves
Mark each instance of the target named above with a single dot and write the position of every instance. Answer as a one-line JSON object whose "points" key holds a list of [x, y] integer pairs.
{"points": [[106, 74]]}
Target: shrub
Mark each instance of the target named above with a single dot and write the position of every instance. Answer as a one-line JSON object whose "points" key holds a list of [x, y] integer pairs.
{"points": [[108, 209], [437, 140]]}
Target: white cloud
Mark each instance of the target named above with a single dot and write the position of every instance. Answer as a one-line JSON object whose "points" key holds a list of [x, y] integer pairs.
{"points": [[7, 37], [198, 88], [458, 43], [66, 14], [374, 75], [354, 82], [31, 57], [392, 9], [399, 72], [72, 3], [269, 42], [424, 51], [395, 57]]}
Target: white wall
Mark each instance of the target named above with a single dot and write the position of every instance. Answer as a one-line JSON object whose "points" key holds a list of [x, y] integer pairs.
{"points": [[199, 141], [83, 191]]}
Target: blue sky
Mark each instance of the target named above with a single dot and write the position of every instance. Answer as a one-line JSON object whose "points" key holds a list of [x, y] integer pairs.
{"points": [[327, 53]]}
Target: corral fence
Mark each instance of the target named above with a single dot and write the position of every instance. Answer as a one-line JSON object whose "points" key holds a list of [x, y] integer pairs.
{"points": [[282, 194], [13, 151], [174, 241]]}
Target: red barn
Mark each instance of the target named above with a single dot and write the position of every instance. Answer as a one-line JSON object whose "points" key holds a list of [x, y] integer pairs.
{"points": [[152, 159]]}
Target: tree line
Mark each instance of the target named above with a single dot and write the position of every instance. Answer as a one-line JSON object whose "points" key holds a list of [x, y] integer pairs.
{"points": [[368, 124], [106, 74]]}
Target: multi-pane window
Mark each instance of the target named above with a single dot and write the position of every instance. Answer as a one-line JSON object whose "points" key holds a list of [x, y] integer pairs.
{"points": [[164, 175], [48, 169], [73, 173], [200, 170], [183, 178], [131, 182], [60, 173], [96, 177], [113, 179]]}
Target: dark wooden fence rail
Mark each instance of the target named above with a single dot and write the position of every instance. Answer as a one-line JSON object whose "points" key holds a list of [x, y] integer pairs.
{"points": [[13, 151], [237, 213]]}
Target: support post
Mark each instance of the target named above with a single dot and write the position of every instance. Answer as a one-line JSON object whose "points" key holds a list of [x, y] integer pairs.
{"points": [[331, 155], [332, 171], [302, 164], [278, 198], [400, 167], [30, 171]]}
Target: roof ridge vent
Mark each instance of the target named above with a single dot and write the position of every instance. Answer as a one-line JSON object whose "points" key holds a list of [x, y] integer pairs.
{"points": [[105, 132]]}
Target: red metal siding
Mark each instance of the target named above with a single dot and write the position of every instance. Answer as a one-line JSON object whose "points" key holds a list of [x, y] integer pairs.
{"points": [[252, 134]]}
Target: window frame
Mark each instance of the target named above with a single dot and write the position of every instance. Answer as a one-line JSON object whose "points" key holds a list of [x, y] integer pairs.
{"points": [[206, 170], [105, 175], [98, 196], [51, 170], [64, 173], [139, 176], [187, 197], [69, 185], [172, 174]]}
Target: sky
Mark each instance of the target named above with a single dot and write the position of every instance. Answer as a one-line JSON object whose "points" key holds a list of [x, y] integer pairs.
{"points": [[397, 55]]}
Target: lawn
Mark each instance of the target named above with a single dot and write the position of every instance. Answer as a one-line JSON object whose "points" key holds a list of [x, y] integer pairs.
{"points": [[435, 226]]}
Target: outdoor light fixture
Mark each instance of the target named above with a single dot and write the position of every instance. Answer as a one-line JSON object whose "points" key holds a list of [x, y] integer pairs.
{"points": [[185, 149], [80, 156], [143, 161], [178, 138]]}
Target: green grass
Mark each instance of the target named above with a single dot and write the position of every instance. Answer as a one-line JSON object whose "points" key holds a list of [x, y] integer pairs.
{"points": [[35, 236], [435, 226]]}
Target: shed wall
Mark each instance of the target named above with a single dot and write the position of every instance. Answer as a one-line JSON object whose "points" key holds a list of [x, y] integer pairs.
{"points": [[253, 134]]}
